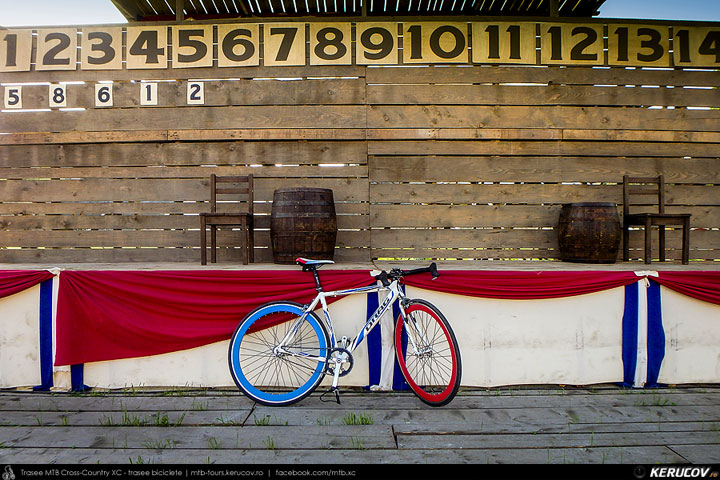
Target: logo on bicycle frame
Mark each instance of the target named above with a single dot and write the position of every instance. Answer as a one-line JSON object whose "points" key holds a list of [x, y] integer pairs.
{"points": [[8, 474], [378, 313]]}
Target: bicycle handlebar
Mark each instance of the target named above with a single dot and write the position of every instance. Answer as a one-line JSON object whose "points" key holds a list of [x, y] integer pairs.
{"points": [[396, 273], [432, 270]]}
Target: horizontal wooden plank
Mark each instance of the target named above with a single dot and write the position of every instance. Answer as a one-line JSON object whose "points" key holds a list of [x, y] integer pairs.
{"points": [[318, 71], [35, 222], [381, 216], [260, 171], [350, 91], [438, 238], [542, 148], [448, 254], [119, 255], [264, 171], [443, 168], [326, 152], [307, 116], [100, 208], [148, 208], [270, 134], [526, 254], [232, 153], [700, 454], [465, 238], [252, 437], [464, 134], [104, 238], [570, 440], [31, 138], [405, 74], [500, 215], [31, 223], [595, 118], [406, 421], [641, 136], [326, 134], [540, 95], [397, 408], [146, 238], [546, 75], [517, 193], [264, 255], [152, 189], [539, 134], [463, 216], [41, 138], [353, 117], [469, 242]]}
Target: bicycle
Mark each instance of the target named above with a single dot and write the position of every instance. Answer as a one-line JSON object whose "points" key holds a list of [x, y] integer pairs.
{"points": [[281, 351]]}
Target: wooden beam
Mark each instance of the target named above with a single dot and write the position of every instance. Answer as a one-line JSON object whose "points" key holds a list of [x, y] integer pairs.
{"points": [[244, 12], [179, 14], [129, 9], [554, 8]]}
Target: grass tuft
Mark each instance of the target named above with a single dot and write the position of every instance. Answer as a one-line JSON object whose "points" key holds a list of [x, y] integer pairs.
{"points": [[354, 419]]}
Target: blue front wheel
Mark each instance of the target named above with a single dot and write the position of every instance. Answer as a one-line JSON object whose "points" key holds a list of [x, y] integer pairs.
{"points": [[273, 376]]}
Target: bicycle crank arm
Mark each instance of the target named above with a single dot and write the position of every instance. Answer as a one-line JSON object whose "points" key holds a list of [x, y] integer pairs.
{"points": [[336, 374]]}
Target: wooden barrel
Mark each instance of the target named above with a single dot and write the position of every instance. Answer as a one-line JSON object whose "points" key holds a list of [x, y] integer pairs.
{"points": [[303, 224], [589, 232]]}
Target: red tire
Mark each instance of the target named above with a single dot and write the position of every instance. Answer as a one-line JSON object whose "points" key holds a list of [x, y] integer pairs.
{"points": [[428, 353]]}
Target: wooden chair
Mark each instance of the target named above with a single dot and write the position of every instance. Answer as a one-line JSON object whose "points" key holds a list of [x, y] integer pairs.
{"points": [[651, 186], [220, 188]]}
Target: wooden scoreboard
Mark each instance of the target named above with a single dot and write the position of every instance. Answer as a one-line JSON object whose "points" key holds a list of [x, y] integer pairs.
{"points": [[361, 43], [344, 43]]}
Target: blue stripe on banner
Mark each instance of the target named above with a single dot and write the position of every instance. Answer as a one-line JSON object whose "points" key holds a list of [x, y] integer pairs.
{"points": [[46, 334], [374, 342], [77, 378], [630, 334], [655, 336]]}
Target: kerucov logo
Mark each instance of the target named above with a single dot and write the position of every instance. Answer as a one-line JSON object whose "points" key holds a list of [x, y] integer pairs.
{"points": [[676, 472]]}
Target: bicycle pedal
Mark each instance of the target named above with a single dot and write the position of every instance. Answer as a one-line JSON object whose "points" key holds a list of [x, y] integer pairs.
{"points": [[334, 390]]}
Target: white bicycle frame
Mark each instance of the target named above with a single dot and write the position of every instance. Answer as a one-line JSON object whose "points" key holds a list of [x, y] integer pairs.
{"points": [[394, 294]]}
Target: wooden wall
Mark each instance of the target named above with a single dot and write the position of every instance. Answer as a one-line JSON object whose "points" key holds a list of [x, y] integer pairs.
{"points": [[487, 155], [441, 162]]}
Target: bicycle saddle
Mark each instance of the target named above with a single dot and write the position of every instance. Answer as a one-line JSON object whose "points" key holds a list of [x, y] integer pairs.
{"points": [[306, 262]]}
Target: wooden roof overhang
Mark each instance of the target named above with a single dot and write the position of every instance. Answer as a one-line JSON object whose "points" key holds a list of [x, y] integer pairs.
{"points": [[178, 10]]}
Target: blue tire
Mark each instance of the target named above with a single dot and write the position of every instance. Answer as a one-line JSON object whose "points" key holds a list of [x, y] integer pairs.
{"points": [[284, 378]]}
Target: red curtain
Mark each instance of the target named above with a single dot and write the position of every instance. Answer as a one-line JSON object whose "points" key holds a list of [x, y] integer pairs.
{"points": [[704, 286], [521, 285], [14, 281], [107, 315]]}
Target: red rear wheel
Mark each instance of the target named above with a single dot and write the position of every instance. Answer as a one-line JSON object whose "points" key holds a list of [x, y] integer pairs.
{"points": [[428, 353]]}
